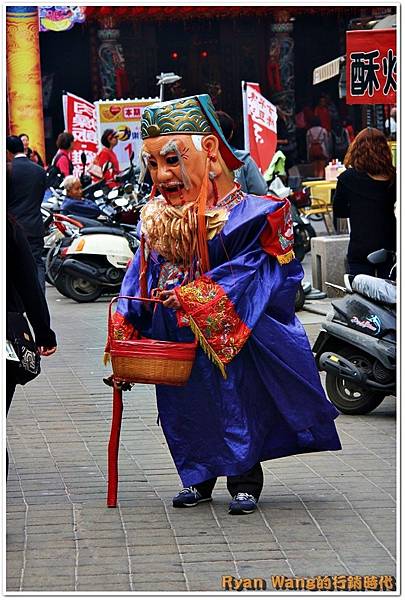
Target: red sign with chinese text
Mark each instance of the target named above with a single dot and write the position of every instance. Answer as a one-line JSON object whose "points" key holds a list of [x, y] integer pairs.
{"points": [[82, 123], [262, 120], [371, 67]]}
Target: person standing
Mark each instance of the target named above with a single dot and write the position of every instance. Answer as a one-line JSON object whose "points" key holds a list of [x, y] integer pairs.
{"points": [[27, 187], [109, 140], [24, 295], [340, 141], [248, 176], [365, 194], [228, 279], [29, 152], [63, 159], [318, 147], [322, 111]]}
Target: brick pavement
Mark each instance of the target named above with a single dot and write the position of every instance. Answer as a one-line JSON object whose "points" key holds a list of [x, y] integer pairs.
{"points": [[328, 513]]}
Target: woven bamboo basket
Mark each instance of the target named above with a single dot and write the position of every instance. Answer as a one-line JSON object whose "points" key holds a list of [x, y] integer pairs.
{"points": [[149, 361]]}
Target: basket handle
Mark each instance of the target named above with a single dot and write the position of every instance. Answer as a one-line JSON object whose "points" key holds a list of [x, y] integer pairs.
{"points": [[116, 298]]}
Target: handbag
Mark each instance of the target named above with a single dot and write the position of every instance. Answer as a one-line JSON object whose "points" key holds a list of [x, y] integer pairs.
{"points": [[95, 169], [23, 358]]}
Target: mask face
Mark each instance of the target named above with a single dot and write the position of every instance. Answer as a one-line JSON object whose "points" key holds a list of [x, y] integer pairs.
{"points": [[176, 166]]}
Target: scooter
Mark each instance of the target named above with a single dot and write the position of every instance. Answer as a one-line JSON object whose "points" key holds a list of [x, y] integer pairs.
{"points": [[93, 262], [357, 343]]}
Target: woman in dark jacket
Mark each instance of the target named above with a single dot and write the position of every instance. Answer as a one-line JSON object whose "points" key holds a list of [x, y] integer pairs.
{"points": [[24, 294], [365, 194]]}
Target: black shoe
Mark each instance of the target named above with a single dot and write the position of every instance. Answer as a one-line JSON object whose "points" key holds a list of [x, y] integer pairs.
{"points": [[188, 497], [242, 504]]}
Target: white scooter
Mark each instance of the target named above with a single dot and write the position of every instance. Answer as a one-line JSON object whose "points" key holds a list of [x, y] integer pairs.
{"points": [[95, 260]]}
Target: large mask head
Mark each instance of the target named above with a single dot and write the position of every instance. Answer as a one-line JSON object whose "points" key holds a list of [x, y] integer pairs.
{"points": [[183, 146]]}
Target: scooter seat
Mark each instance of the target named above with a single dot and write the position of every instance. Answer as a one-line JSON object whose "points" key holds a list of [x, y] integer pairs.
{"points": [[105, 230]]}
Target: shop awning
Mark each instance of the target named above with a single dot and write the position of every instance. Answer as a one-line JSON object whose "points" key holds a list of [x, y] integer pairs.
{"points": [[328, 70]]}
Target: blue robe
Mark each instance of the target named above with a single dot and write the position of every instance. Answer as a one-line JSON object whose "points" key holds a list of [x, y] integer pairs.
{"points": [[271, 403]]}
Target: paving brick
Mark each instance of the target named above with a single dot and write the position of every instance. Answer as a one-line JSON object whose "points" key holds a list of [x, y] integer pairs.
{"points": [[311, 511]]}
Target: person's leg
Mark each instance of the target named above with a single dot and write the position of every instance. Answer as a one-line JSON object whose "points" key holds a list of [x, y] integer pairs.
{"points": [[250, 482], [37, 248], [205, 488], [384, 270], [360, 268], [10, 389]]}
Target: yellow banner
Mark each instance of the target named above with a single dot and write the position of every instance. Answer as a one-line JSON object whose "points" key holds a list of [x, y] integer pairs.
{"points": [[118, 112]]}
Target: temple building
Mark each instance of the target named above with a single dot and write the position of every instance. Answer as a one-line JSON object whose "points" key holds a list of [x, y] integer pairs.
{"points": [[117, 52]]}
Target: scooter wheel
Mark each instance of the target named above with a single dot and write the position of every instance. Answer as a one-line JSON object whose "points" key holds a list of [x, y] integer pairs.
{"points": [[310, 234], [81, 290], [347, 396], [299, 298]]}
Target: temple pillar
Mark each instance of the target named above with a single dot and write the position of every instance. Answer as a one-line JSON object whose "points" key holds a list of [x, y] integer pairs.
{"points": [[24, 86], [111, 62], [281, 68]]}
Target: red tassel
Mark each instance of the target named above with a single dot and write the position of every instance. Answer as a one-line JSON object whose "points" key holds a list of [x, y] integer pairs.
{"points": [[143, 268], [202, 245]]}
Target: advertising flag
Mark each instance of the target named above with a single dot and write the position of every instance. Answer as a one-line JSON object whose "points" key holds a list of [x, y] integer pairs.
{"points": [[260, 117], [80, 120]]}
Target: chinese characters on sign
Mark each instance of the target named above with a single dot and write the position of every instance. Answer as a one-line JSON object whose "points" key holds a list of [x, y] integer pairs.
{"points": [[80, 119], [261, 116], [371, 66]]}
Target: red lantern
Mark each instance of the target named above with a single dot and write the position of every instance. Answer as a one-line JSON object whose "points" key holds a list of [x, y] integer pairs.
{"points": [[204, 54], [174, 55]]}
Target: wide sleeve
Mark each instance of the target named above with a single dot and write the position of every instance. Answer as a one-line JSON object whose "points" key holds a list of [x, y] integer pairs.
{"points": [[223, 306]]}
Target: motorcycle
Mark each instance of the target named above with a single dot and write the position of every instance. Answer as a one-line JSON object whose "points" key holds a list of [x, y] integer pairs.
{"points": [[303, 230], [94, 259], [357, 343]]}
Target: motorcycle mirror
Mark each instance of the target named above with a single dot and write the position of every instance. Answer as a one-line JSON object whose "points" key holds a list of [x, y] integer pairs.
{"points": [[83, 158], [378, 257], [128, 188], [121, 201], [98, 194], [113, 194]]}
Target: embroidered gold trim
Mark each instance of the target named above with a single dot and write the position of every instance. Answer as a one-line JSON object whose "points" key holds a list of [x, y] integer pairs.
{"points": [[284, 259], [212, 355]]}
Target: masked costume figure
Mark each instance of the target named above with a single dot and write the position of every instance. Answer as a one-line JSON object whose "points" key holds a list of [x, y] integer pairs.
{"points": [[222, 262]]}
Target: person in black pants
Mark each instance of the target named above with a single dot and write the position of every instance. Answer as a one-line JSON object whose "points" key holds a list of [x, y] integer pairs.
{"points": [[24, 198], [24, 294], [365, 194]]}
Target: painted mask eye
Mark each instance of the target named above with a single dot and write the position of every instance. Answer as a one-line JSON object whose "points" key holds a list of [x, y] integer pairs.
{"points": [[172, 160]]}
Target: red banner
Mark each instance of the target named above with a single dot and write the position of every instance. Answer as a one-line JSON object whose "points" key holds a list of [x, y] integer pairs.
{"points": [[262, 124], [371, 66], [80, 120]]}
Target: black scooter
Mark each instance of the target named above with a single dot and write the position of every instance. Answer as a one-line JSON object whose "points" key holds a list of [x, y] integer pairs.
{"points": [[357, 344]]}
